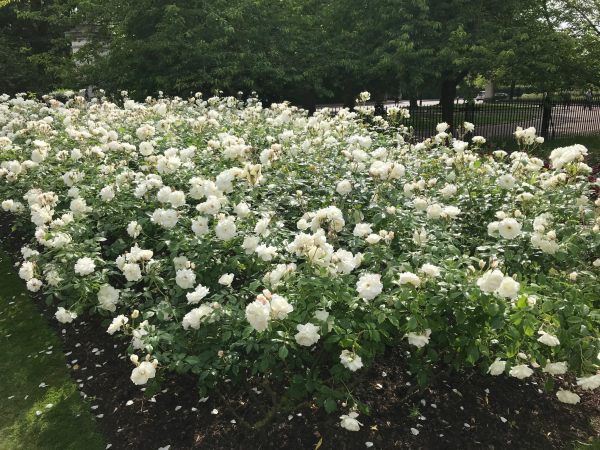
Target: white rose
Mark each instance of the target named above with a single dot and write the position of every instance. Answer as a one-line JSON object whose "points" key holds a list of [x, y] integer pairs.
{"points": [[460, 146], [195, 316], [344, 187], [107, 193], [280, 308], [449, 190], [492, 229], [442, 127], [557, 368], [250, 244], [508, 288], [177, 199], [142, 373], [64, 316], [117, 323], [409, 278], [497, 367], [198, 294], [134, 229], [430, 270], [226, 279], [242, 209], [419, 340], [266, 252], [132, 272], [451, 212], [180, 262], [84, 266], [362, 229], [226, 229], [166, 218], [434, 211], [258, 314], [108, 297], [490, 281], [350, 360], [506, 181], [185, 278], [420, 203], [373, 238], [509, 228], [307, 335], [349, 421], [200, 226], [520, 371], [567, 397], [589, 383], [369, 286], [34, 285], [146, 148], [548, 339], [26, 271]]}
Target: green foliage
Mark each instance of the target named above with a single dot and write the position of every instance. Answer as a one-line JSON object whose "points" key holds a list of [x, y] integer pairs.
{"points": [[34, 51], [304, 51]]}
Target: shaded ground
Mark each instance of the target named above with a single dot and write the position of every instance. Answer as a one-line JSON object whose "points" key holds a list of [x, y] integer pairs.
{"points": [[460, 411], [40, 407]]}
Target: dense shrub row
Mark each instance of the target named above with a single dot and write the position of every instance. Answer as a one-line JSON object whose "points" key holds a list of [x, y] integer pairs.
{"points": [[234, 242]]}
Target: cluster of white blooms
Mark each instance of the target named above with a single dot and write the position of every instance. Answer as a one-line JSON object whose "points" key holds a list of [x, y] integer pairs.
{"points": [[266, 307], [528, 136], [226, 237], [496, 282], [205, 312], [562, 156]]}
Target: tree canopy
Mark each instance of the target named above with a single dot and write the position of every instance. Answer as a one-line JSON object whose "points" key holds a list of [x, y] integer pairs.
{"points": [[307, 51]]}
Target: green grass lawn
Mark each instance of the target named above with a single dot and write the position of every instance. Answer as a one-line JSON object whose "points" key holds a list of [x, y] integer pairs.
{"points": [[485, 114], [500, 113], [32, 417]]}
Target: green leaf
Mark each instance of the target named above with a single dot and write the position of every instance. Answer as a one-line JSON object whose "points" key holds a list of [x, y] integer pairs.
{"points": [[330, 405], [192, 360], [411, 324], [283, 352]]}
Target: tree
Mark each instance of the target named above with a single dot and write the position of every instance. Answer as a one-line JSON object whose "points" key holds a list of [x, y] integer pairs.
{"points": [[269, 46], [33, 48]]}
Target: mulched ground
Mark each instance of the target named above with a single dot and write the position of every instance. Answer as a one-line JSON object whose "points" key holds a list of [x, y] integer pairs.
{"points": [[461, 411]]}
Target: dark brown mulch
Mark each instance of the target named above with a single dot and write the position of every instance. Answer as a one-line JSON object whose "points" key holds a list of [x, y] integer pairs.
{"points": [[459, 412]]}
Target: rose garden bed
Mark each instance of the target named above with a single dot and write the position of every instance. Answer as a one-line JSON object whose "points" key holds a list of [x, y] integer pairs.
{"points": [[283, 267]]}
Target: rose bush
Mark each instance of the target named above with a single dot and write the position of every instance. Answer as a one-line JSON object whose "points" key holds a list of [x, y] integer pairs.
{"points": [[238, 242]]}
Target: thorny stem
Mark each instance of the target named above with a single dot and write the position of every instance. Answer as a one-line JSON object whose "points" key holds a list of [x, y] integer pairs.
{"points": [[279, 406]]}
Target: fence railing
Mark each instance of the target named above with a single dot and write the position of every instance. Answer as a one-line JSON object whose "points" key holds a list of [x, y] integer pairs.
{"points": [[552, 118]]}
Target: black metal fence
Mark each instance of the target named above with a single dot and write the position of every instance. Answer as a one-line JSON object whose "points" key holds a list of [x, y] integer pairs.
{"points": [[551, 118]]}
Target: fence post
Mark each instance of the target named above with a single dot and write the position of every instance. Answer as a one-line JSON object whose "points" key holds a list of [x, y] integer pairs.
{"points": [[546, 115], [470, 111]]}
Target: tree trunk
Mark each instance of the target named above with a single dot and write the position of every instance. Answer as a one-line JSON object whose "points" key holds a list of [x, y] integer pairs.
{"points": [[513, 84], [349, 101], [547, 115], [447, 95]]}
